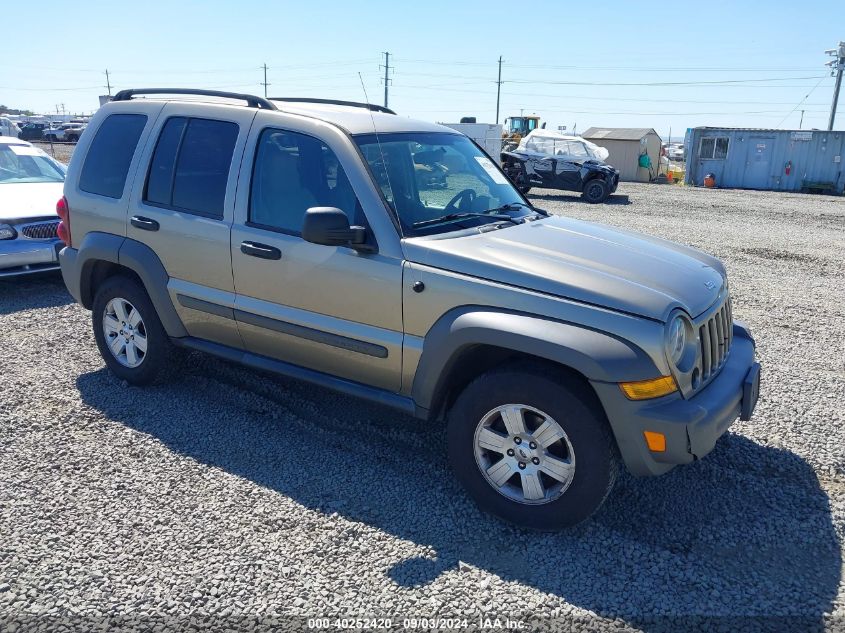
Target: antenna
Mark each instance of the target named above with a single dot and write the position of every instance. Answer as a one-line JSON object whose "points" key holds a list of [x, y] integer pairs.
{"points": [[381, 153]]}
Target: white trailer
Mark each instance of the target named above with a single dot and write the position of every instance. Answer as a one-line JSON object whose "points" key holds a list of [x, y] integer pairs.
{"points": [[487, 135]]}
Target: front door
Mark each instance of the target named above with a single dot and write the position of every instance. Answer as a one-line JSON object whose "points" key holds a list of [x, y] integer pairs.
{"points": [[758, 168], [327, 308], [182, 208]]}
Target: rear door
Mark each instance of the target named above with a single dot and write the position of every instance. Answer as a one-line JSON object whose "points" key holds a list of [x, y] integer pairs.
{"points": [[182, 208]]}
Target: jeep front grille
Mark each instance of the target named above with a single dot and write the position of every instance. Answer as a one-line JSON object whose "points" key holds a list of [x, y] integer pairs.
{"points": [[40, 230], [716, 335]]}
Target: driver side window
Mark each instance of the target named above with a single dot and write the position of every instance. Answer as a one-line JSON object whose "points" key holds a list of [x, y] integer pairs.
{"points": [[292, 173]]}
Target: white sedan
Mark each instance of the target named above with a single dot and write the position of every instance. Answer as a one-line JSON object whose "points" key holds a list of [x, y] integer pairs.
{"points": [[31, 184]]}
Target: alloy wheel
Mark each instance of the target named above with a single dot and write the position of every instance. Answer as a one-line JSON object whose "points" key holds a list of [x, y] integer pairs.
{"points": [[524, 454], [125, 333]]}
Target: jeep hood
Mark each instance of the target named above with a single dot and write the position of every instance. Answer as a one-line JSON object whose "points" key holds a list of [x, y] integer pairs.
{"points": [[586, 262]]}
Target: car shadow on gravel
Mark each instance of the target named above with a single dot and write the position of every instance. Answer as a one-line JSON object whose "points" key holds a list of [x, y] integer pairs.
{"points": [[28, 292], [746, 532]]}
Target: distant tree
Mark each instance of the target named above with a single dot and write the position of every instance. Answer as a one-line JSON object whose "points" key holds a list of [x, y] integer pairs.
{"points": [[7, 110]]}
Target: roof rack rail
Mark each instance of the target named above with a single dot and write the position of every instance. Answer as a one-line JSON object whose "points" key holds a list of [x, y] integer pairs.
{"points": [[251, 100], [354, 104]]}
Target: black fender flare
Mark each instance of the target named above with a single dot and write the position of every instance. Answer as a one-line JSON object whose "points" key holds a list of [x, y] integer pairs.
{"points": [[137, 257], [598, 356]]}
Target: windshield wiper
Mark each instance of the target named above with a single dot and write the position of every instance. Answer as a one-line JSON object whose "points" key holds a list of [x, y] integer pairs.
{"points": [[513, 206], [450, 217]]}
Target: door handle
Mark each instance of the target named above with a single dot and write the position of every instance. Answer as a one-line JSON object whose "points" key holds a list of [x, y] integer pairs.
{"points": [[140, 222], [260, 250]]}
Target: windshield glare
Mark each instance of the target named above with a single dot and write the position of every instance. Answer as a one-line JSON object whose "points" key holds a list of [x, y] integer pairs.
{"points": [[424, 176], [26, 164]]}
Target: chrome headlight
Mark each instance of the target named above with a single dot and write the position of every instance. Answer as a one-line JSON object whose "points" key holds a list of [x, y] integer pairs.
{"points": [[677, 340], [681, 347], [7, 232]]}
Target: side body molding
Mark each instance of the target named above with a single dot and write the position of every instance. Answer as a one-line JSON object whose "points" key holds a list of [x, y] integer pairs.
{"points": [[139, 258], [596, 355]]}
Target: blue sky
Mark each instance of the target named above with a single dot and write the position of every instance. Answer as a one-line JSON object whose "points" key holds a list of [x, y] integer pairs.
{"points": [[573, 63]]}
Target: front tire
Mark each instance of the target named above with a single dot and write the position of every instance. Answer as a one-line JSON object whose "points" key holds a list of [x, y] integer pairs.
{"points": [[129, 334], [596, 191], [532, 448]]}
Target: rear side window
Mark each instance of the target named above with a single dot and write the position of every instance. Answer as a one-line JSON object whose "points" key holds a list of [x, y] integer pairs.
{"points": [[190, 166], [107, 162], [160, 179]]}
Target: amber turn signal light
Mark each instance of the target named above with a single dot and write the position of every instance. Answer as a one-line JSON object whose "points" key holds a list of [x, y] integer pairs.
{"points": [[644, 389], [656, 441]]}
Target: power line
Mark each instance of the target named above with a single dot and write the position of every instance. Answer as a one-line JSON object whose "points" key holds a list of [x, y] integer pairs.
{"points": [[798, 105], [445, 87], [76, 88], [611, 67], [756, 80], [664, 83]]}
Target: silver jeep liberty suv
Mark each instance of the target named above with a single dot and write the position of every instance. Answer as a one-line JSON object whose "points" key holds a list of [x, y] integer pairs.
{"points": [[391, 259]]}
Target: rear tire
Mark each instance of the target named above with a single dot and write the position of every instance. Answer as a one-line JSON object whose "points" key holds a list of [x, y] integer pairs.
{"points": [[596, 191], [564, 433], [129, 334]]}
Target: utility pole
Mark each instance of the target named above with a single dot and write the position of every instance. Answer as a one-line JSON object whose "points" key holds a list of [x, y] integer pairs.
{"points": [[386, 75], [265, 84], [108, 81], [498, 90], [837, 65], [801, 122]]}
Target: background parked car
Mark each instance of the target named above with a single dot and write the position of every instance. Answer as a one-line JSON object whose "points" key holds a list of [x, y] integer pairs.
{"points": [[8, 127], [65, 132], [73, 131], [30, 185], [54, 133], [32, 131], [675, 152], [557, 161]]}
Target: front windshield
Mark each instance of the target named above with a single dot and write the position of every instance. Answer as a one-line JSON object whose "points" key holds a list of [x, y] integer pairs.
{"points": [[24, 163], [425, 176]]}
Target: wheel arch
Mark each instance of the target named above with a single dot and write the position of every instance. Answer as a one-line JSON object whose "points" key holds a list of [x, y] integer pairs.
{"points": [[466, 342], [103, 255]]}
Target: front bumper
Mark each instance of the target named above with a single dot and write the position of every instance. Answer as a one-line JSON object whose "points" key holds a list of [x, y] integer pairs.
{"points": [[614, 182], [24, 256], [691, 427]]}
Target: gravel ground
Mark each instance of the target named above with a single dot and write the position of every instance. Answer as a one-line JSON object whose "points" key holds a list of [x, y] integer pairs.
{"points": [[60, 151], [233, 499]]}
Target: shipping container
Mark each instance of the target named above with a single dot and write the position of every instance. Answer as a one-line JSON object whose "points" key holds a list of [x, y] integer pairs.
{"points": [[779, 160]]}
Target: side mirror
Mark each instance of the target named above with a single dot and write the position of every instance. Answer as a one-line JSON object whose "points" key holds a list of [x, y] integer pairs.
{"points": [[330, 226]]}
